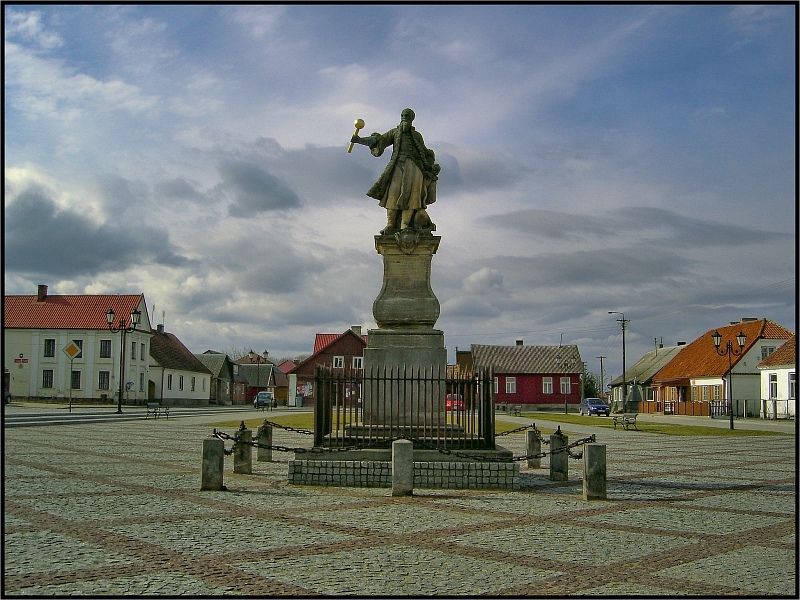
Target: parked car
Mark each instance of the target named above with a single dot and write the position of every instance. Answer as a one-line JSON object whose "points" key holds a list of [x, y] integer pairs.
{"points": [[594, 406], [264, 400], [454, 402]]}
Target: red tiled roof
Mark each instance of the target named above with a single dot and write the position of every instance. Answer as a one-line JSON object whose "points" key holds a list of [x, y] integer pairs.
{"points": [[67, 312], [785, 355], [700, 359], [323, 339]]}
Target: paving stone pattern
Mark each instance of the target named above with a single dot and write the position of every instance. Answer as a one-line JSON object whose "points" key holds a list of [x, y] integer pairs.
{"points": [[116, 509]]}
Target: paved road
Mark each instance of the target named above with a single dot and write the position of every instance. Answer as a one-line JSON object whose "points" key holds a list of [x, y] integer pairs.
{"points": [[114, 508], [28, 414]]}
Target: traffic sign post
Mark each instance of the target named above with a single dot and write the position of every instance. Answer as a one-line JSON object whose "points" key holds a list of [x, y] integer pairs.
{"points": [[72, 350]]}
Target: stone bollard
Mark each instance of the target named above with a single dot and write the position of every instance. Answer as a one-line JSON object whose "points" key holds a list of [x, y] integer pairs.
{"points": [[264, 438], [243, 454], [594, 472], [402, 468], [213, 463], [534, 447], [559, 461]]}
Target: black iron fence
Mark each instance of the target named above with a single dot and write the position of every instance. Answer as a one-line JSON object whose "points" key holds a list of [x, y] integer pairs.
{"points": [[375, 407]]}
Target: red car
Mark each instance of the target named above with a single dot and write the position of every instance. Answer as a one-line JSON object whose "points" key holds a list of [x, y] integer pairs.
{"points": [[454, 402]]}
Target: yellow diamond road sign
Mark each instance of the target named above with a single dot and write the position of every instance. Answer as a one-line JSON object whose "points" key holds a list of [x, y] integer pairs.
{"points": [[72, 350]]}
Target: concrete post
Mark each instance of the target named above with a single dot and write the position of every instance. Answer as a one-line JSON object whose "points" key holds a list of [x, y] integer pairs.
{"points": [[559, 461], [402, 468], [213, 463], [594, 472], [243, 454], [264, 438], [534, 447]]}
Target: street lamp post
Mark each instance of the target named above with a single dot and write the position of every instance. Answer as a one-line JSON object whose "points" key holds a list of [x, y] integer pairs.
{"points": [[730, 351], [623, 321], [130, 327]]}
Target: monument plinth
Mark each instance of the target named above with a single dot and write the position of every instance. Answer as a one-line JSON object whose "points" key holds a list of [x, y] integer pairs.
{"points": [[406, 344], [406, 299]]}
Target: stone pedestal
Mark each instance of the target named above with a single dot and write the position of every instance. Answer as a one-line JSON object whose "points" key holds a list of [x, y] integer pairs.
{"points": [[406, 299], [404, 354]]}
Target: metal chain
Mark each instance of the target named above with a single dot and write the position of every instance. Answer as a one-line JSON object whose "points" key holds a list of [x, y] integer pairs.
{"points": [[287, 428], [321, 450], [523, 428]]}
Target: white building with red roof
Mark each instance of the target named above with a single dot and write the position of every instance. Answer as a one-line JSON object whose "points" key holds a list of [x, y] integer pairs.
{"points": [[38, 328], [779, 381]]}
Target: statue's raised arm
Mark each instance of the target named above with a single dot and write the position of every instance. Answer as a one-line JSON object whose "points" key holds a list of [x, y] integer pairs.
{"points": [[408, 184]]}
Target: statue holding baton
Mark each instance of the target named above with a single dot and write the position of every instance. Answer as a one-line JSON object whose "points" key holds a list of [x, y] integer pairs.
{"points": [[408, 183]]}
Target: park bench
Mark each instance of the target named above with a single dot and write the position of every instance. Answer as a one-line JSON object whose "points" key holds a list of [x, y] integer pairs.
{"points": [[155, 409], [626, 420], [517, 410]]}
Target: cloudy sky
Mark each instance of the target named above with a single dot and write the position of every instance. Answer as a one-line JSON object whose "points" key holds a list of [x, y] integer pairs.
{"points": [[632, 158]]}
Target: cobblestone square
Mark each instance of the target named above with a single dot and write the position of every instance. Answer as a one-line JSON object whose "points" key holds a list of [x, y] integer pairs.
{"points": [[116, 509]]}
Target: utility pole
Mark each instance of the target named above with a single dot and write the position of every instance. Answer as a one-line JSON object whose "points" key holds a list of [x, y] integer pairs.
{"points": [[624, 322], [602, 377]]}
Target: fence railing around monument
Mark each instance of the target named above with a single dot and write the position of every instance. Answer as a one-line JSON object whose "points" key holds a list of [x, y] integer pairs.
{"points": [[373, 408]]}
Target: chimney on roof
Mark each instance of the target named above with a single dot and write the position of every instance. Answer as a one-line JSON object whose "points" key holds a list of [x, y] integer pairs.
{"points": [[520, 343], [681, 344], [160, 328], [356, 329], [748, 319], [41, 293], [733, 322]]}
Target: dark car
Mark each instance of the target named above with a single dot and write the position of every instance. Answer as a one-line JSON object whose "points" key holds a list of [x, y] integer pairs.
{"points": [[264, 400], [594, 406], [6, 397]]}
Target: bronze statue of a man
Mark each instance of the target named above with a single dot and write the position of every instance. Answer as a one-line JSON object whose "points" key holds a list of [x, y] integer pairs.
{"points": [[408, 184]]}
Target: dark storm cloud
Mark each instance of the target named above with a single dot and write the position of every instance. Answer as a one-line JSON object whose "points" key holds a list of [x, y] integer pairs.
{"points": [[43, 239], [633, 267], [636, 222], [253, 189]]}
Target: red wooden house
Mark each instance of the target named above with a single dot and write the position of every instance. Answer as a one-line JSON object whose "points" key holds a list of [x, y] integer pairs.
{"points": [[343, 351], [547, 376]]}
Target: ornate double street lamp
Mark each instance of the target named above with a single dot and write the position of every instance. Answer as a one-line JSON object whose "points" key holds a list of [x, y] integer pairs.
{"points": [[136, 315], [731, 352]]}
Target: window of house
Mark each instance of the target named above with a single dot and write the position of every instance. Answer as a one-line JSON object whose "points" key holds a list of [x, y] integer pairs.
{"points": [[194, 379], [716, 391], [133, 350], [49, 347], [358, 362], [143, 352], [511, 385], [104, 380], [79, 344], [766, 351], [565, 385], [694, 393], [496, 385], [47, 378], [76, 380], [180, 382], [547, 385], [105, 348], [773, 385], [141, 382], [338, 362], [169, 381], [792, 394], [704, 393]]}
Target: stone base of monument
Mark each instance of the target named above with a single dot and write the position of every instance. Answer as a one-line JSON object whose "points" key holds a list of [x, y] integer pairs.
{"points": [[432, 470]]}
